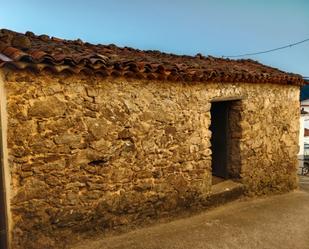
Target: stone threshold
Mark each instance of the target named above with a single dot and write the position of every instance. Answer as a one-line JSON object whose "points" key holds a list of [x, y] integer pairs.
{"points": [[225, 191]]}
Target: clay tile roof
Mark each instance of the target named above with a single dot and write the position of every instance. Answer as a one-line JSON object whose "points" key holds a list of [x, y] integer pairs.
{"points": [[29, 51]]}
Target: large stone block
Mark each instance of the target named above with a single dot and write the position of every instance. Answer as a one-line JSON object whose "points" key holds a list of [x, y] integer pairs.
{"points": [[46, 108]]}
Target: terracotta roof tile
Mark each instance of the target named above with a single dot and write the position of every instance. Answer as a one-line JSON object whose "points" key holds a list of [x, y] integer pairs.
{"points": [[28, 51]]}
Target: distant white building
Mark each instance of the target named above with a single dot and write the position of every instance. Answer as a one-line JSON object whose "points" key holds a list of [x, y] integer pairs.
{"points": [[304, 132]]}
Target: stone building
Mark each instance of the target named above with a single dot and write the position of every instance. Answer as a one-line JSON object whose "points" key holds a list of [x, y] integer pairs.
{"points": [[99, 137]]}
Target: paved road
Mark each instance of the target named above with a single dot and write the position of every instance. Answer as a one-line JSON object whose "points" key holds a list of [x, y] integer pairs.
{"points": [[278, 222], [304, 183]]}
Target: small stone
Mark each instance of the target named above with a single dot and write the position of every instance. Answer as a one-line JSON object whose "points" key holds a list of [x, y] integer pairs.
{"points": [[102, 145], [91, 92], [170, 130], [99, 129], [69, 139], [125, 134]]}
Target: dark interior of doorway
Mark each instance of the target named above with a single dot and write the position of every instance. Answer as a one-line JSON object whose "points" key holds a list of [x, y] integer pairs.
{"points": [[226, 134]]}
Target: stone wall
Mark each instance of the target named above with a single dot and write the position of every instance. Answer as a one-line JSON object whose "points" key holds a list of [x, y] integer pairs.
{"points": [[87, 153]]}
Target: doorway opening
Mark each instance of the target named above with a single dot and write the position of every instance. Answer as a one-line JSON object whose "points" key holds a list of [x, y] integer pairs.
{"points": [[225, 140]]}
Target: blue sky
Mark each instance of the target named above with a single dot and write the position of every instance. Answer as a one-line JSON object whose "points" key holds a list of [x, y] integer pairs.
{"points": [[210, 27]]}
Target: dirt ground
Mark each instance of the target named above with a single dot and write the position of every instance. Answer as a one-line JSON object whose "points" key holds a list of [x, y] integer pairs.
{"points": [[280, 221]]}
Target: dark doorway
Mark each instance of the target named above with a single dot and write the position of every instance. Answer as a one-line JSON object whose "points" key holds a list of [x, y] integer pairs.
{"points": [[226, 137], [219, 139]]}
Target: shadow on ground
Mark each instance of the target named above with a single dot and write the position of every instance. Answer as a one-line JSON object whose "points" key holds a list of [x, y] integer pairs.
{"points": [[266, 223]]}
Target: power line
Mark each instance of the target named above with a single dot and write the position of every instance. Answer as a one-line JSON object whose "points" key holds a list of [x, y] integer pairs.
{"points": [[267, 51]]}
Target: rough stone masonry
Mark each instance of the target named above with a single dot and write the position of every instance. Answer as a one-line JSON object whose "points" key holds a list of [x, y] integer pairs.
{"points": [[90, 153]]}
